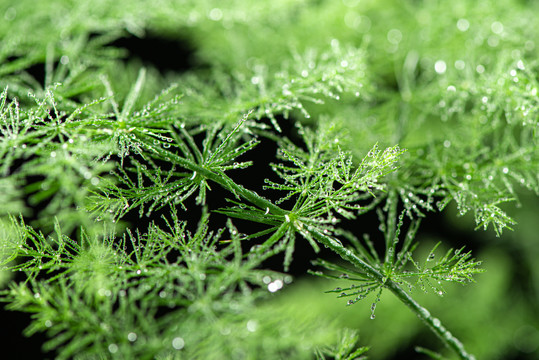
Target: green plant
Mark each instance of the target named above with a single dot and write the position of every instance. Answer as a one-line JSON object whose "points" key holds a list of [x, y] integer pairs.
{"points": [[125, 201]]}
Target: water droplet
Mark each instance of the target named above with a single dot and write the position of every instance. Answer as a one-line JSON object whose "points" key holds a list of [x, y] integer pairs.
{"points": [[10, 14], [132, 336], [463, 25], [496, 27], [252, 325], [493, 41], [394, 36], [440, 66], [505, 170], [113, 348], [460, 65], [215, 14], [178, 343], [275, 286]]}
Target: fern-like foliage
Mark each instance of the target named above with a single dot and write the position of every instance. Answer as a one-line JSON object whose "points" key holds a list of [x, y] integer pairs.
{"points": [[454, 266], [105, 277], [94, 131], [309, 78]]}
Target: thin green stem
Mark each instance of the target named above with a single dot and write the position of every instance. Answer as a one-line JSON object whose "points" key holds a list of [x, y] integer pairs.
{"points": [[432, 323], [221, 179]]}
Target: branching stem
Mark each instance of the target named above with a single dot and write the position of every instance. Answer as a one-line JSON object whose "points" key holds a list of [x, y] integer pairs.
{"points": [[432, 323]]}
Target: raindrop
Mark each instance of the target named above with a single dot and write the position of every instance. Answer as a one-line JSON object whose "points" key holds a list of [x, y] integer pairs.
{"points": [[215, 14], [440, 66], [275, 286], [394, 36], [493, 41], [252, 325], [460, 65], [463, 25], [496, 27], [178, 343], [10, 14]]}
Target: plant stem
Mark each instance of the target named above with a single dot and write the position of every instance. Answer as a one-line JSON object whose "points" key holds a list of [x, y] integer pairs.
{"points": [[432, 323]]}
